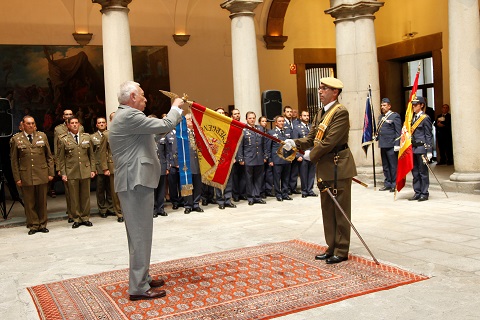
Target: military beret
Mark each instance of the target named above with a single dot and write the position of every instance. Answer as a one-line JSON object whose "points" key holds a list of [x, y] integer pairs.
{"points": [[332, 82]]}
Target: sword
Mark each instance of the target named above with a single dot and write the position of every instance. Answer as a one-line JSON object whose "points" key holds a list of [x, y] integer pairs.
{"points": [[425, 160], [325, 188]]}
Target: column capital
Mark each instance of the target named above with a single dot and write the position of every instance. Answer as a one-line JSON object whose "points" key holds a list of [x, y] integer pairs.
{"points": [[341, 10], [240, 7], [112, 4]]}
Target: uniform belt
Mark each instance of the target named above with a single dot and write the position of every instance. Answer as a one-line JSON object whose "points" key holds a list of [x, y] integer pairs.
{"points": [[339, 148]]}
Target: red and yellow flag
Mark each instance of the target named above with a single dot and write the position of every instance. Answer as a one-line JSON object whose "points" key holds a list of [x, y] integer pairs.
{"points": [[405, 156], [218, 143]]}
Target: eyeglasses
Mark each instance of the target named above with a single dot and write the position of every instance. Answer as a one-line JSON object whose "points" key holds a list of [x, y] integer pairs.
{"points": [[323, 88]]}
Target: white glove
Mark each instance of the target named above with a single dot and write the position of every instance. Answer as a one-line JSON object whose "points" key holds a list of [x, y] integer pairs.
{"points": [[429, 156], [396, 148], [306, 156], [289, 144]]}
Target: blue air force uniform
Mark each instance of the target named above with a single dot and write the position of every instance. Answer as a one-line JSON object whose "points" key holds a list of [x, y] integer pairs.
{"points": [[421, 144], [388, 132], [306, 168], [281, 167]]}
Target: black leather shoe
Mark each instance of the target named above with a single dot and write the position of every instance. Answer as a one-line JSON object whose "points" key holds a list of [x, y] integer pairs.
{"points": [[70, 220], [279, 199], [304, 195], [163, 214], [187, 210], [384, 189], [250, 202], [175, 206], [44, 230], [392, 190], [204, 203], [263, 196], [230, 205], [323, 256], [221, 206], [157, 283], [415, 197], [287, 198], [32, 232], [423, 198], [198, 209], [260, 201], [103, 215], [236, 199], [243, 198], [87, 223], [336, 259], [150, 294], [155, 215], [296, 192], [312, 194], [120, 219], [75, 225]]}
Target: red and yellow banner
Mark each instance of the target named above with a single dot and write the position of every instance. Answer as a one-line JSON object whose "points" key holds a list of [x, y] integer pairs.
{"points": [[405, 155], [218, 143]]}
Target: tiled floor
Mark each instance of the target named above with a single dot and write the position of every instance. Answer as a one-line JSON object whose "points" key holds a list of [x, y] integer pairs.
{"points": [[439, 238]]}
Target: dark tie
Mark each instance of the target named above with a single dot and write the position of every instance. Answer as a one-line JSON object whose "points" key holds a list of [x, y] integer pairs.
{"points": [[76, 139], [30, 138], [414, 119]]}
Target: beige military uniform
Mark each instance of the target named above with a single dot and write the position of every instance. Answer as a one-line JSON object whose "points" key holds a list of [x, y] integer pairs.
{"points": [[60, 131], [106, 163], [32, 164], [77, 161], [104, 198]]}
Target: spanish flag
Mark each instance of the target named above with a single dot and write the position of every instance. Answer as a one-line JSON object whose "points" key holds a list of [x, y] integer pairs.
{"points": [[219, 138], [405, 155]]}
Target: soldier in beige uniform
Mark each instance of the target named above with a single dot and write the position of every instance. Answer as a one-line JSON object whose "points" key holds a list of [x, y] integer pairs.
{"points": [[60, 131], [104, 198], [32, 166], [77, 166]]}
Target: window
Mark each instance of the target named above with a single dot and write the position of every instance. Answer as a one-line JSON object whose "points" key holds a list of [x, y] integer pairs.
{"points": [[425, 80], [313, 74]]}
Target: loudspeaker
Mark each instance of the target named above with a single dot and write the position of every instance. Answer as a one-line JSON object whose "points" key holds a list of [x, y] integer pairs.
{"points": [[271, 104], [6, 119]]}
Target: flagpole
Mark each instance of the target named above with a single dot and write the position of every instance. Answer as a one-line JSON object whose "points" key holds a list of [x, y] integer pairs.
{"points": [[374, 134]]}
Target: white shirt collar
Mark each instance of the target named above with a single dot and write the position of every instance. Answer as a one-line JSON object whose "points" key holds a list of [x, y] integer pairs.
{"points": [[329, 105]]}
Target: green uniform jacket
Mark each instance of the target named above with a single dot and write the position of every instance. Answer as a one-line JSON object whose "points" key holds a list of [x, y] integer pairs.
{"points": [[76, 161]]}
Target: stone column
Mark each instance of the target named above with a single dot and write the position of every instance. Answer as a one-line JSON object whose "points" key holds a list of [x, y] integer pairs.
{"points": [[117, 50], [357, 66], [464, 65], [246, 83]]}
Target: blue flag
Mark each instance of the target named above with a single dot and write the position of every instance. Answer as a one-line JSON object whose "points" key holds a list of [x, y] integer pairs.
{"points": [[368, 125]]}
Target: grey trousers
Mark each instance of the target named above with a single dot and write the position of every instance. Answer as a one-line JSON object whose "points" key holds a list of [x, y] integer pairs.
{"points": [[137, 207]]}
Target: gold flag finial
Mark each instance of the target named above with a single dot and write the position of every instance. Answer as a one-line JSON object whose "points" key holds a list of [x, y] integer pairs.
{"points": [[172, 96]]}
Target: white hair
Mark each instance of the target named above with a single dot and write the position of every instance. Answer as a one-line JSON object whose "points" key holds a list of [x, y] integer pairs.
{"points": [[126, 89]]}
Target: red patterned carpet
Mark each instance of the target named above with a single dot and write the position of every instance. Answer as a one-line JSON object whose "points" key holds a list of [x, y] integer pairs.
{"points": [[259, 282]]}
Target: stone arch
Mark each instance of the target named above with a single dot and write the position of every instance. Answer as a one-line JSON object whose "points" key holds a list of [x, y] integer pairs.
{"points": [[274, 38]]}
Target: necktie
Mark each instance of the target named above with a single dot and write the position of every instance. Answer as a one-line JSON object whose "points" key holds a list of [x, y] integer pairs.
{"points": [[76, 139], [30, 138]]}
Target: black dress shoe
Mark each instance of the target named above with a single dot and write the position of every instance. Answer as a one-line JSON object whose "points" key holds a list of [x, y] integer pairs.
{"points": [[44, 230], [157, 283], [32, 232], [221, 206], [304, 195], [243, 198], [175, 206], [392, 190], [312, 194], [120, 219], [260, 201], [230, 205], [323, 256], [384, 189], [187, 210], [423, 198], [155, 215], [75, 225], [335, 259], [296, 192], [236, 199], [279, 199], [204, 203], [87, 223], [163, 214], [415, 197], [150, 294], [103, 215], [263, 196], [198, 209], [70, 220], [287, 198], [250, 202]]}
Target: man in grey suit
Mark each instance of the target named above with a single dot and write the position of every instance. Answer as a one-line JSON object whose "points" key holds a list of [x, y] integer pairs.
{"points": [[137, 172]]}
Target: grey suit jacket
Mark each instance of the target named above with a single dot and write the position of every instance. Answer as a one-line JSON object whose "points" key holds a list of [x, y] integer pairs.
{"points": [[133, 147]]}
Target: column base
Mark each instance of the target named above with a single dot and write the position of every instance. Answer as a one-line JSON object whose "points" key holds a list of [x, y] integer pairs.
{"points": [[463, 182]]}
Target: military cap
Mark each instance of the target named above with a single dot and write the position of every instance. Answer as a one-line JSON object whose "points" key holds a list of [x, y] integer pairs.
{"points": [[332, 82], [418, 100], [386, 100]]}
